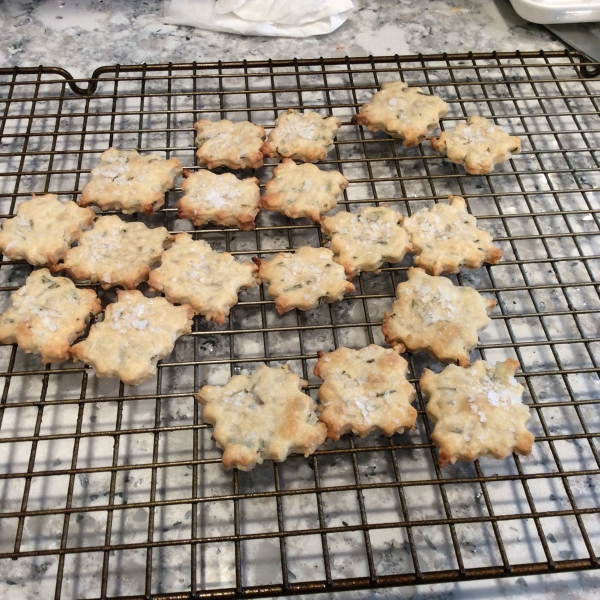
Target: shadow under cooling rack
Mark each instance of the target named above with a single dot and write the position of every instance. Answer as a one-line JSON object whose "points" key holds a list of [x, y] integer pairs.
{"points": [[109, 491]]}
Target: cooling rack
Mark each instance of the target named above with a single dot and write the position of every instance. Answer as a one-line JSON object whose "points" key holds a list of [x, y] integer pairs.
{"points": [[108, 491]]}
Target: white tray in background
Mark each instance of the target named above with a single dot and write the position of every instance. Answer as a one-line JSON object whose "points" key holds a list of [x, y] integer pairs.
{"points": [[558, 11]]}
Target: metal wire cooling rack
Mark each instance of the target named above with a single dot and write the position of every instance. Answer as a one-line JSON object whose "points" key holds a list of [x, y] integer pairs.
{"points": [[111, 491]]}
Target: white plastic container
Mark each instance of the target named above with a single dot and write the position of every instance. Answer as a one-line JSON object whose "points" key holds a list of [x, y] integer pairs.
{"points": [[548, 12]]}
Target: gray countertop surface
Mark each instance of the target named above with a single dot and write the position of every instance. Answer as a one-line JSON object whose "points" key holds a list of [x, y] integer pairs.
{"points": [[81, 35]]}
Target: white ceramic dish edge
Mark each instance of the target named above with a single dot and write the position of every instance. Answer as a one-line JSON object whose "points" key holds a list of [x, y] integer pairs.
{"points": [[547, 12]]}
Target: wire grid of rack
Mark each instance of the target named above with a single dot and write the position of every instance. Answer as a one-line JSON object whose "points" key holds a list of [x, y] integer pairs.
{"points": [[112, 491]]}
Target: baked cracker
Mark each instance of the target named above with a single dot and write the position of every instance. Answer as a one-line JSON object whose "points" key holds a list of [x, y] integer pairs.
{"points": [[365, 391], [477, 144], [306, 136], [402, 112], [192, 273], [43, 230], [47, 315], [304, 278], [135, 334], [364, 241], [226, 144], [302, 190], [445, 238], [433, 315], [131, 182], [116, 253], [220, 199], [477, 411], [262, 416]]}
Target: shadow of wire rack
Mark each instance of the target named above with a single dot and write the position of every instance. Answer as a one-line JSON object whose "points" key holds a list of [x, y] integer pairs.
{"points": [[112, 491]]}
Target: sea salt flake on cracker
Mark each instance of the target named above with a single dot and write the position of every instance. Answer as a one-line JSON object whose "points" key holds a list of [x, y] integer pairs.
{"points": [[135, 334], [128, 181], [478, 145], [47, 315], [402, 112], [302, 190], [433, 315], [192, 273], [477, 411], [115, 253], [305, 136], [43, 230], [364, 241], [304, 278], [365, 391], [219, 199], [446, 238], [227, 144], [262, 416]]}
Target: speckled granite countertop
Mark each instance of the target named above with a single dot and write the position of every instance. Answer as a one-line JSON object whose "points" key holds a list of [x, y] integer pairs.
{"points": [[81, 35]]}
